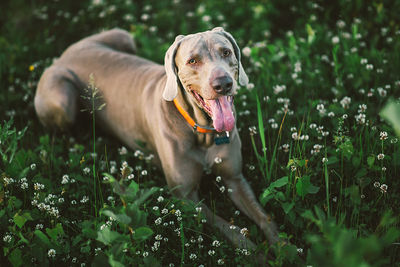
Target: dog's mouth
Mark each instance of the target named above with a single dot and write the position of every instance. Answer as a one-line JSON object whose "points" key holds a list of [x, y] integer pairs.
{"points": [[219, 109]]}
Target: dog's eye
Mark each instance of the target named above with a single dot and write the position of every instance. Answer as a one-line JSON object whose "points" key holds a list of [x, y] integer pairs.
{"points": [[226, 53], [192, 61]]}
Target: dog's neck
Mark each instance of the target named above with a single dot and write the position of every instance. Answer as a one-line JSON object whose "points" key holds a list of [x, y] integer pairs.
{"points": [[198, 115]]}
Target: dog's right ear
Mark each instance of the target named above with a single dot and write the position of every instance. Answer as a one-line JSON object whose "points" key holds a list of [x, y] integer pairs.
{"points": [[171, 86]]}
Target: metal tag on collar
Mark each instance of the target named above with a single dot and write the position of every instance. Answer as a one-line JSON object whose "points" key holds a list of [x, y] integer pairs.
{"points": [[221, 139]]}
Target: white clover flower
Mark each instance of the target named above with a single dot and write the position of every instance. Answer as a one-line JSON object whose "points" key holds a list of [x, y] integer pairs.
{"points": [[244, 231], [24, 186], [33, 166], [383, 135], [7, 238], [382, 92], [178, 213], [38, 186], [250, 86], [218, 179], [345, 102], [362, 108], [51, 253], [84, 199], [211, 252], [381, 156], [200, 239], [295, 136], [369, 67], [145, 17], [158, 237], [246, 51], [65, 179], [198, 209], [232, 227], [193, 256], [220, 262], [335, 40], [144, 172], [324, 160], [285, 148], [216, 243], [160, 199], [39, 226], [278, 88], [145, 254], [222, 189], [384, 188], [123, 150], [158, 221], [164, 211], [360, 118], [86, 170], [155, 208], [217, 160]]}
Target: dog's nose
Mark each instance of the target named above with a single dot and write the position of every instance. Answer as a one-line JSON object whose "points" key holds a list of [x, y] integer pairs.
{"points": [[222, 85]]}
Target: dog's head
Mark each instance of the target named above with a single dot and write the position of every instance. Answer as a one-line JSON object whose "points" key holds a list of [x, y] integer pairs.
{"points": [[208, 66]]}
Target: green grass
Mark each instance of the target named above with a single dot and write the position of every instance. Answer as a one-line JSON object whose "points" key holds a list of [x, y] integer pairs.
{"points": [[316, 150]]}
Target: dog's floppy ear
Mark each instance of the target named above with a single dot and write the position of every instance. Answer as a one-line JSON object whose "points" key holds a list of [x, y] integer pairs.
{"points": [[243, 79], [171, 86]]}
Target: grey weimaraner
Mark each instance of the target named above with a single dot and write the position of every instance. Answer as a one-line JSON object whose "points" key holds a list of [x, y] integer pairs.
{"points": [[200, 74]]}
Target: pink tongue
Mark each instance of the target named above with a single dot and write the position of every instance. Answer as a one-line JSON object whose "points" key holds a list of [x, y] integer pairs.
{"points": [[222, 114]]}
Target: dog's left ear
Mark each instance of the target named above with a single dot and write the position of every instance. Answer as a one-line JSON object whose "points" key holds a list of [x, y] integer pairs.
{"points": [[243, 79], [171, 86]]}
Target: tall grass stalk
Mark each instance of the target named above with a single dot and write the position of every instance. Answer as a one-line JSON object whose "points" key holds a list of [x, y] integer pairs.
{"points": [[327, 185], [262, 137]]}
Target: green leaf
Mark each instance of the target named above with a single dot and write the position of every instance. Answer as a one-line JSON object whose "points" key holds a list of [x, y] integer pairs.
{"points": [[279, 183], [266, 196], [347, 148], [287, 207], [142, 233], [20, 220], [304, 186], [308, 214], [43, 237], [114, 263], [106, 236], [371, 160], [22, 239], [55, 232], [137, 216], [391, 113], [16, 257], [356, 161], [122, 218]]}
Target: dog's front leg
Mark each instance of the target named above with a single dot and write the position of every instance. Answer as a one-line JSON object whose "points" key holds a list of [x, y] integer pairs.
{"points": [[230, 169], [244, 199], [183, 171]]}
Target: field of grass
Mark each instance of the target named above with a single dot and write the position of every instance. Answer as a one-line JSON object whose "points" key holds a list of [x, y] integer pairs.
{"points": [[320, 149]]}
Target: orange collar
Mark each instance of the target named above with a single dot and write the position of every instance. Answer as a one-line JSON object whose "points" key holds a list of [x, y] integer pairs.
{"points": [[195, 126]]}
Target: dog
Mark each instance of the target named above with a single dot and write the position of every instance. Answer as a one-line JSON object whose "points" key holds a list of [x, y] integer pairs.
{"points": [[182, 111]]}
